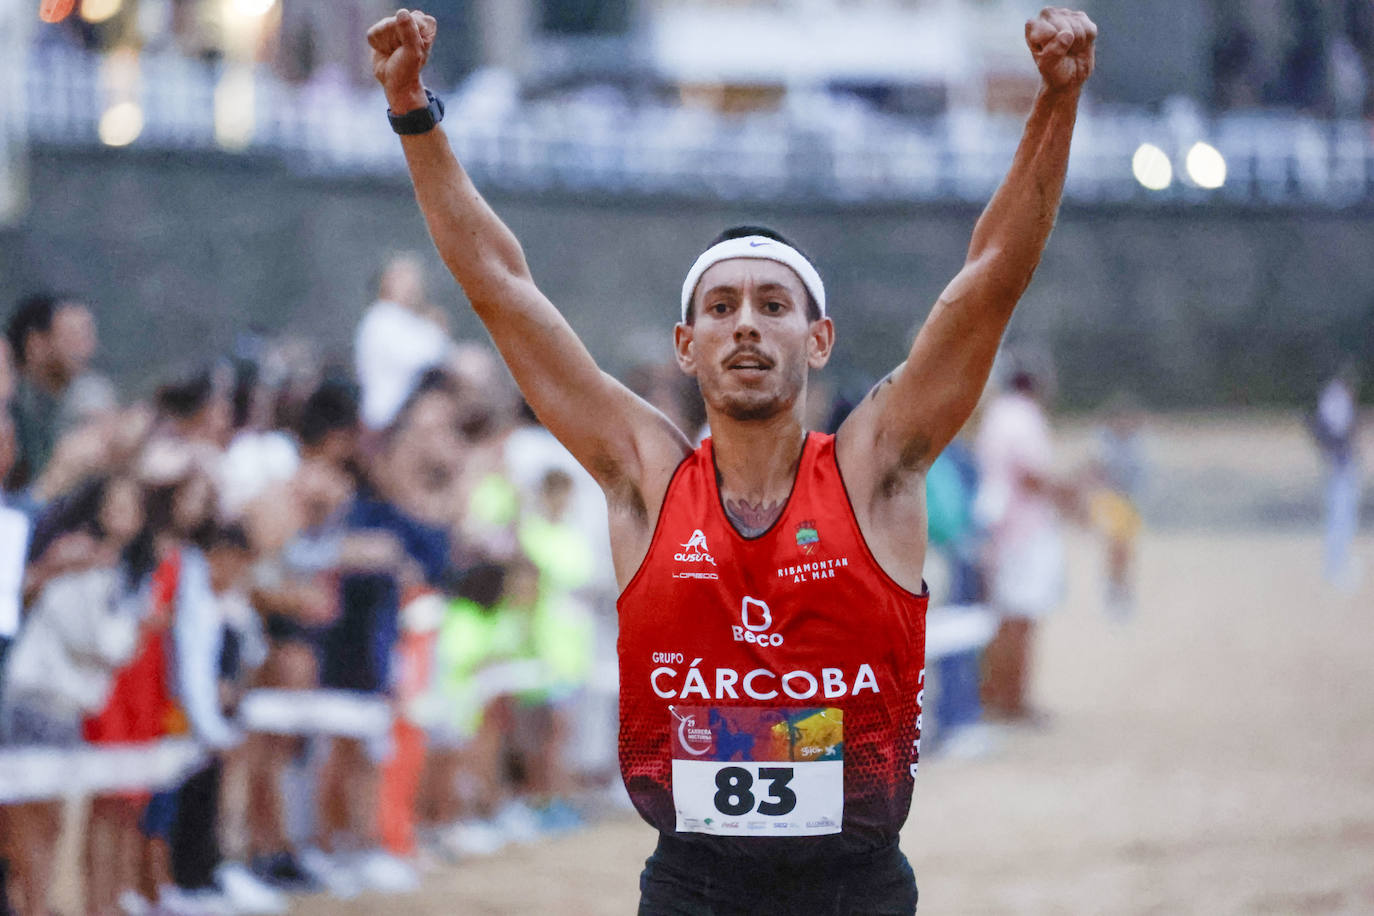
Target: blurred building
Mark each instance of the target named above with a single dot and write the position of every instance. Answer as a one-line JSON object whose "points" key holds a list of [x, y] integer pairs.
{"points": [[1216, 204], [904, 56]]}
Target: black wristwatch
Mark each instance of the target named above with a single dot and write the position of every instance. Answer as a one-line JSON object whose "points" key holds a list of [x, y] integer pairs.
{"points": [[419, 121]]}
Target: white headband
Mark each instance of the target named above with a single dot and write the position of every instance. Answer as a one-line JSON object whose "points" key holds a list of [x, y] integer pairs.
{"points": [[758, 247]]}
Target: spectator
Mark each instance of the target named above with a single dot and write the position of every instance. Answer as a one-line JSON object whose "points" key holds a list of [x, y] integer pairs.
{"points": [[955, 538], [1113, 506], [409, 497], [400, 336], [83, 627], [195, 409], [257, 455], [1020, 504], [1334, 426], [453, 715], [216, 640], [563, 638], [301, 530], [485, 662], [14, 544], [127, 845], [53, 339]]}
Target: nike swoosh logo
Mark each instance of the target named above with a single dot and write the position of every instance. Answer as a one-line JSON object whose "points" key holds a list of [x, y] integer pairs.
{"points": [[758, 244]]}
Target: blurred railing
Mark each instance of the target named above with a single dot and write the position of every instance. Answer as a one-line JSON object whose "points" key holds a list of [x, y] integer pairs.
{"points": [[819, 147]]}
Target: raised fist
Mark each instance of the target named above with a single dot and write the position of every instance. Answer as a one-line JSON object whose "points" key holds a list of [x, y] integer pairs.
{"points": [[1061, 41], [400, 48]]}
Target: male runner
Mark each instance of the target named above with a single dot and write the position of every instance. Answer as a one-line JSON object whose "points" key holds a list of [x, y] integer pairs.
{"points": [[772, 613]]}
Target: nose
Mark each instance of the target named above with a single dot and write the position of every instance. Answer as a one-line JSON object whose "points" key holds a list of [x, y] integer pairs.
{"points": [[746, 322]]}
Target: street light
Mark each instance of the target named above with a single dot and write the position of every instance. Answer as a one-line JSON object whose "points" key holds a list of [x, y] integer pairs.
{"points": [[121, 124], [99, 10], [251, 8], [1152, 168], [1206, 166]]}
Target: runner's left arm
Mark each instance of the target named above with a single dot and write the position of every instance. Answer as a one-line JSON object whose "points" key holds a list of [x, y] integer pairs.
{"points": [[911, 415]]}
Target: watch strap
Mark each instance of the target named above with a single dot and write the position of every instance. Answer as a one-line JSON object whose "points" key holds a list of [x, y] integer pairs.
{"points": [[419, 121]]}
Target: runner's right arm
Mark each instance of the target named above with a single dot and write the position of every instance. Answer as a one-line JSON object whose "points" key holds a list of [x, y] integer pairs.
{"points": [[624, 442]]}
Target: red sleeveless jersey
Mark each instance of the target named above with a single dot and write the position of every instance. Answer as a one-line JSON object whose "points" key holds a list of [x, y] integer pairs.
{"points": [[770, 687]]}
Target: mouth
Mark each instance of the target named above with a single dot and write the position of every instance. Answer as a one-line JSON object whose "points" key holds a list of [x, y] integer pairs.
{"points": [[746, 361]]}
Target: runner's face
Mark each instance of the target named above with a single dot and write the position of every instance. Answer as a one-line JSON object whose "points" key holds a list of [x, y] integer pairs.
{"points": [[752, 343]]}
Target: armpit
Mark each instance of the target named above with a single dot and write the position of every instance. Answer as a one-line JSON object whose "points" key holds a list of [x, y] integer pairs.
{"points": [[621, 491], [912, 459]]}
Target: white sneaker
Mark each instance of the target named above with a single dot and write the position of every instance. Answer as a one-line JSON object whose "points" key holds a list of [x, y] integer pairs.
{"points": [[473, 839], [388, 874], [331, 872], [132, 903], [181, 902], [517, 823], [248, 894]]}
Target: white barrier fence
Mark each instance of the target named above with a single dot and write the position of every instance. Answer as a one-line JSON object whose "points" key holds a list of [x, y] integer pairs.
{"points": [[37, 774], [316, 712], [40, 773], [951, 630]]}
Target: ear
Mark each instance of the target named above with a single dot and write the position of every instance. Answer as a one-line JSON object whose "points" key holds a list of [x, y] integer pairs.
{"points": [[682, 348], [820, 341]]}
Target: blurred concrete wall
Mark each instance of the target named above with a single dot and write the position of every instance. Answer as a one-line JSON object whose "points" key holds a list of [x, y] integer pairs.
{"points": [[1182, 306], [1150, 51]]}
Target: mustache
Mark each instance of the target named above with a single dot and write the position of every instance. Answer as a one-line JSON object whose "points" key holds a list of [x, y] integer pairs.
{"points": [[746, 351]]}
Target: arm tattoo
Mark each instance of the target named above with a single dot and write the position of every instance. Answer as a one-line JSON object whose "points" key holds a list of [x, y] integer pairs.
{"points": [[753, 519], [886, 380]]}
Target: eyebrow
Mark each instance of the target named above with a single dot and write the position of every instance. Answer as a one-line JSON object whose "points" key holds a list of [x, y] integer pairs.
{"points": [[734, 290]]}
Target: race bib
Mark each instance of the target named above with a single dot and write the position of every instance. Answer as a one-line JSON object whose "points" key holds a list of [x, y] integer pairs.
{"points": [[758, 771]]}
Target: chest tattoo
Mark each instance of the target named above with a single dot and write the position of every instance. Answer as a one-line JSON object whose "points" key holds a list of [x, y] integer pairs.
{"points": [[753, 519]]}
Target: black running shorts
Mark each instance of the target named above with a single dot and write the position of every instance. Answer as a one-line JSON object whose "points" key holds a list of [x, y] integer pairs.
{"points": [[685, 879]]}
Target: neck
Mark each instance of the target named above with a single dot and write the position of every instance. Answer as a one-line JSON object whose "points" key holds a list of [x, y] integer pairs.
{"points": [[756, 465]]}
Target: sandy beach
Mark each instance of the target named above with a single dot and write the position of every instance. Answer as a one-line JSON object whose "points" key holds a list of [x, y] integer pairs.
{"points": [[1213, 755]]}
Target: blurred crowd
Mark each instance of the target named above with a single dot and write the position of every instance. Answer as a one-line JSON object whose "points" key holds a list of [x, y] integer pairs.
{"points": [[399, 529]]}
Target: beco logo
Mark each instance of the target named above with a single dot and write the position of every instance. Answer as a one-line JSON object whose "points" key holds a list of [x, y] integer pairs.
{"points": [[756, 619], [695, 550]]}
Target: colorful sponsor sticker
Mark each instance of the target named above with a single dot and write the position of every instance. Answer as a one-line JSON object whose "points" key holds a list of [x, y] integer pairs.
{"points": [[758, 771]]}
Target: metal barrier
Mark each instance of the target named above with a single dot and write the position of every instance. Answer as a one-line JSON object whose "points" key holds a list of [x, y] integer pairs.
{"points": [[816, 149]]}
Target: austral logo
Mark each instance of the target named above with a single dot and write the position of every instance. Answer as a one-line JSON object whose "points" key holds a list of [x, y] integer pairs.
{"points": [[695, 550], [808, 537]]}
